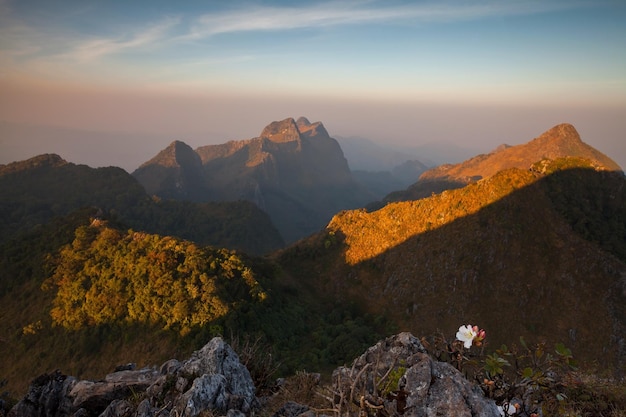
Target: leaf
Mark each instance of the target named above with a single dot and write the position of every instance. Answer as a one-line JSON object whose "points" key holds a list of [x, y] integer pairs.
{"points": [[527, 372], [561, 350], [523, 342]]}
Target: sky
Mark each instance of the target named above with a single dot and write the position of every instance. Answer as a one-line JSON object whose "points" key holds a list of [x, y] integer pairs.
{"points": [[114, 82]]}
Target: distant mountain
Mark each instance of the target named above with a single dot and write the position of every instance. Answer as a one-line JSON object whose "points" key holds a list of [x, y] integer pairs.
{"points": [[560, 141], [175, 173], [35, 191], [537, 253], [366, 155], [381, 183], [293, 170]]}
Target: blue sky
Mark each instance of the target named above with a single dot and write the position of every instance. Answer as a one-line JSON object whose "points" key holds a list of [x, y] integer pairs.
{"points": [[205, 69]]}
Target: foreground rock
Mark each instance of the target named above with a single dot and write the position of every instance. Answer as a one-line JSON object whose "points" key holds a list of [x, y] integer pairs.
{"points": [[212, 380], [397, 376], [394, 377]]}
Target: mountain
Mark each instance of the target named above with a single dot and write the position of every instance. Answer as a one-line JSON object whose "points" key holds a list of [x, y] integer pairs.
{"points": [[175, 173], [293, 170], [538, 253], [366, 155], [379, 169], [37, 190], [94, 272], [560, 141]]}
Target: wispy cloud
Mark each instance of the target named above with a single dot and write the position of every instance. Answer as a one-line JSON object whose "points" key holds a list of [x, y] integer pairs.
{"points": [[351, 13], [147, 38], [22, 42]]}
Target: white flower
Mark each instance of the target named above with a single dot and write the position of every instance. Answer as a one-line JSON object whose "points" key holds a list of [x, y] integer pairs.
{"points": [[507, 409], [466, 334]]}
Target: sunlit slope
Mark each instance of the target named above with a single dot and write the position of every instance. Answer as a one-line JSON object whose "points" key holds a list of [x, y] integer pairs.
{"points": [[508, 252], [561, 141]]}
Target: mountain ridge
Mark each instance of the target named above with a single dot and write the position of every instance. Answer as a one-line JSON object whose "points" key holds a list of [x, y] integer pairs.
{"points": [[35, 191], [559, 141], [502, 244], [538, 251], [293, 170]]}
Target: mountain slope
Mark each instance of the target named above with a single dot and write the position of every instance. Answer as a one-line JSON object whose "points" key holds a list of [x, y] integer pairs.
{"points": [[504, 253], [35, 191], [293, 170], [560, 141], [175, 172]]}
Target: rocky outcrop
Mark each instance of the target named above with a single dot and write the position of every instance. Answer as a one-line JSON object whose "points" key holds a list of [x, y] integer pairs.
{"points": [[398, 376], [212, 379], [394, 377]]}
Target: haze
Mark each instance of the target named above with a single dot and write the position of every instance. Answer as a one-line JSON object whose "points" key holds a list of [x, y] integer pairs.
{"points": [[110, 83]]}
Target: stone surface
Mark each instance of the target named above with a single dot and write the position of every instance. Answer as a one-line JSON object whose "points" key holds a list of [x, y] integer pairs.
{"points": [[47, 396], [394, 377], [211, 380], [398, 376]]}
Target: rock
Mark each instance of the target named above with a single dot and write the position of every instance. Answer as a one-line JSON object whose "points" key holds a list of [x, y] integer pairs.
{"points": [[126, 367], [395, 376], [218, 358], [437, 388], [212, 380], [144, 409], [398, 376], [291, 409], [208, 392], [118, 408], [116, 386], [47, 396]]}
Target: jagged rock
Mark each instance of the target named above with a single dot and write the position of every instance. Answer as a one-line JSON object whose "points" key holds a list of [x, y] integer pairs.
{"points": [[217, 380], [116, 386], [399, 376], [47, 396], [208, 392], [144, 409], [437, 388], [218, 358], [118, 408]]}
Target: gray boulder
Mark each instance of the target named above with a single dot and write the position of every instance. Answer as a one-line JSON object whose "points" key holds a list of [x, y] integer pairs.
{"points": [[212, 379], [98, 395], [218, 358], [398, 376], [47, 397]]}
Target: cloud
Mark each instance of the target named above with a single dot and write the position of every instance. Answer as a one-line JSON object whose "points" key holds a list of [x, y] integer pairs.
{"points": [[266, 18], [25, 45], [148, 38]]}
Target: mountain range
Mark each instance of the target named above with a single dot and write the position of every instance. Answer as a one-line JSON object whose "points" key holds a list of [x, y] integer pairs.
{"points": [[293, 170], [529, 240]]}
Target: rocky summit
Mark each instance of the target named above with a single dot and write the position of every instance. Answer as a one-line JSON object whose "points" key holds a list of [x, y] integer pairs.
{"points": [[214, 381], [293, 170]]}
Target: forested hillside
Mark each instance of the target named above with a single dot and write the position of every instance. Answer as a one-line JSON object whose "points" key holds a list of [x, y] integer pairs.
{"points": [[538, 253], [84, 295], [35, 191]]}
